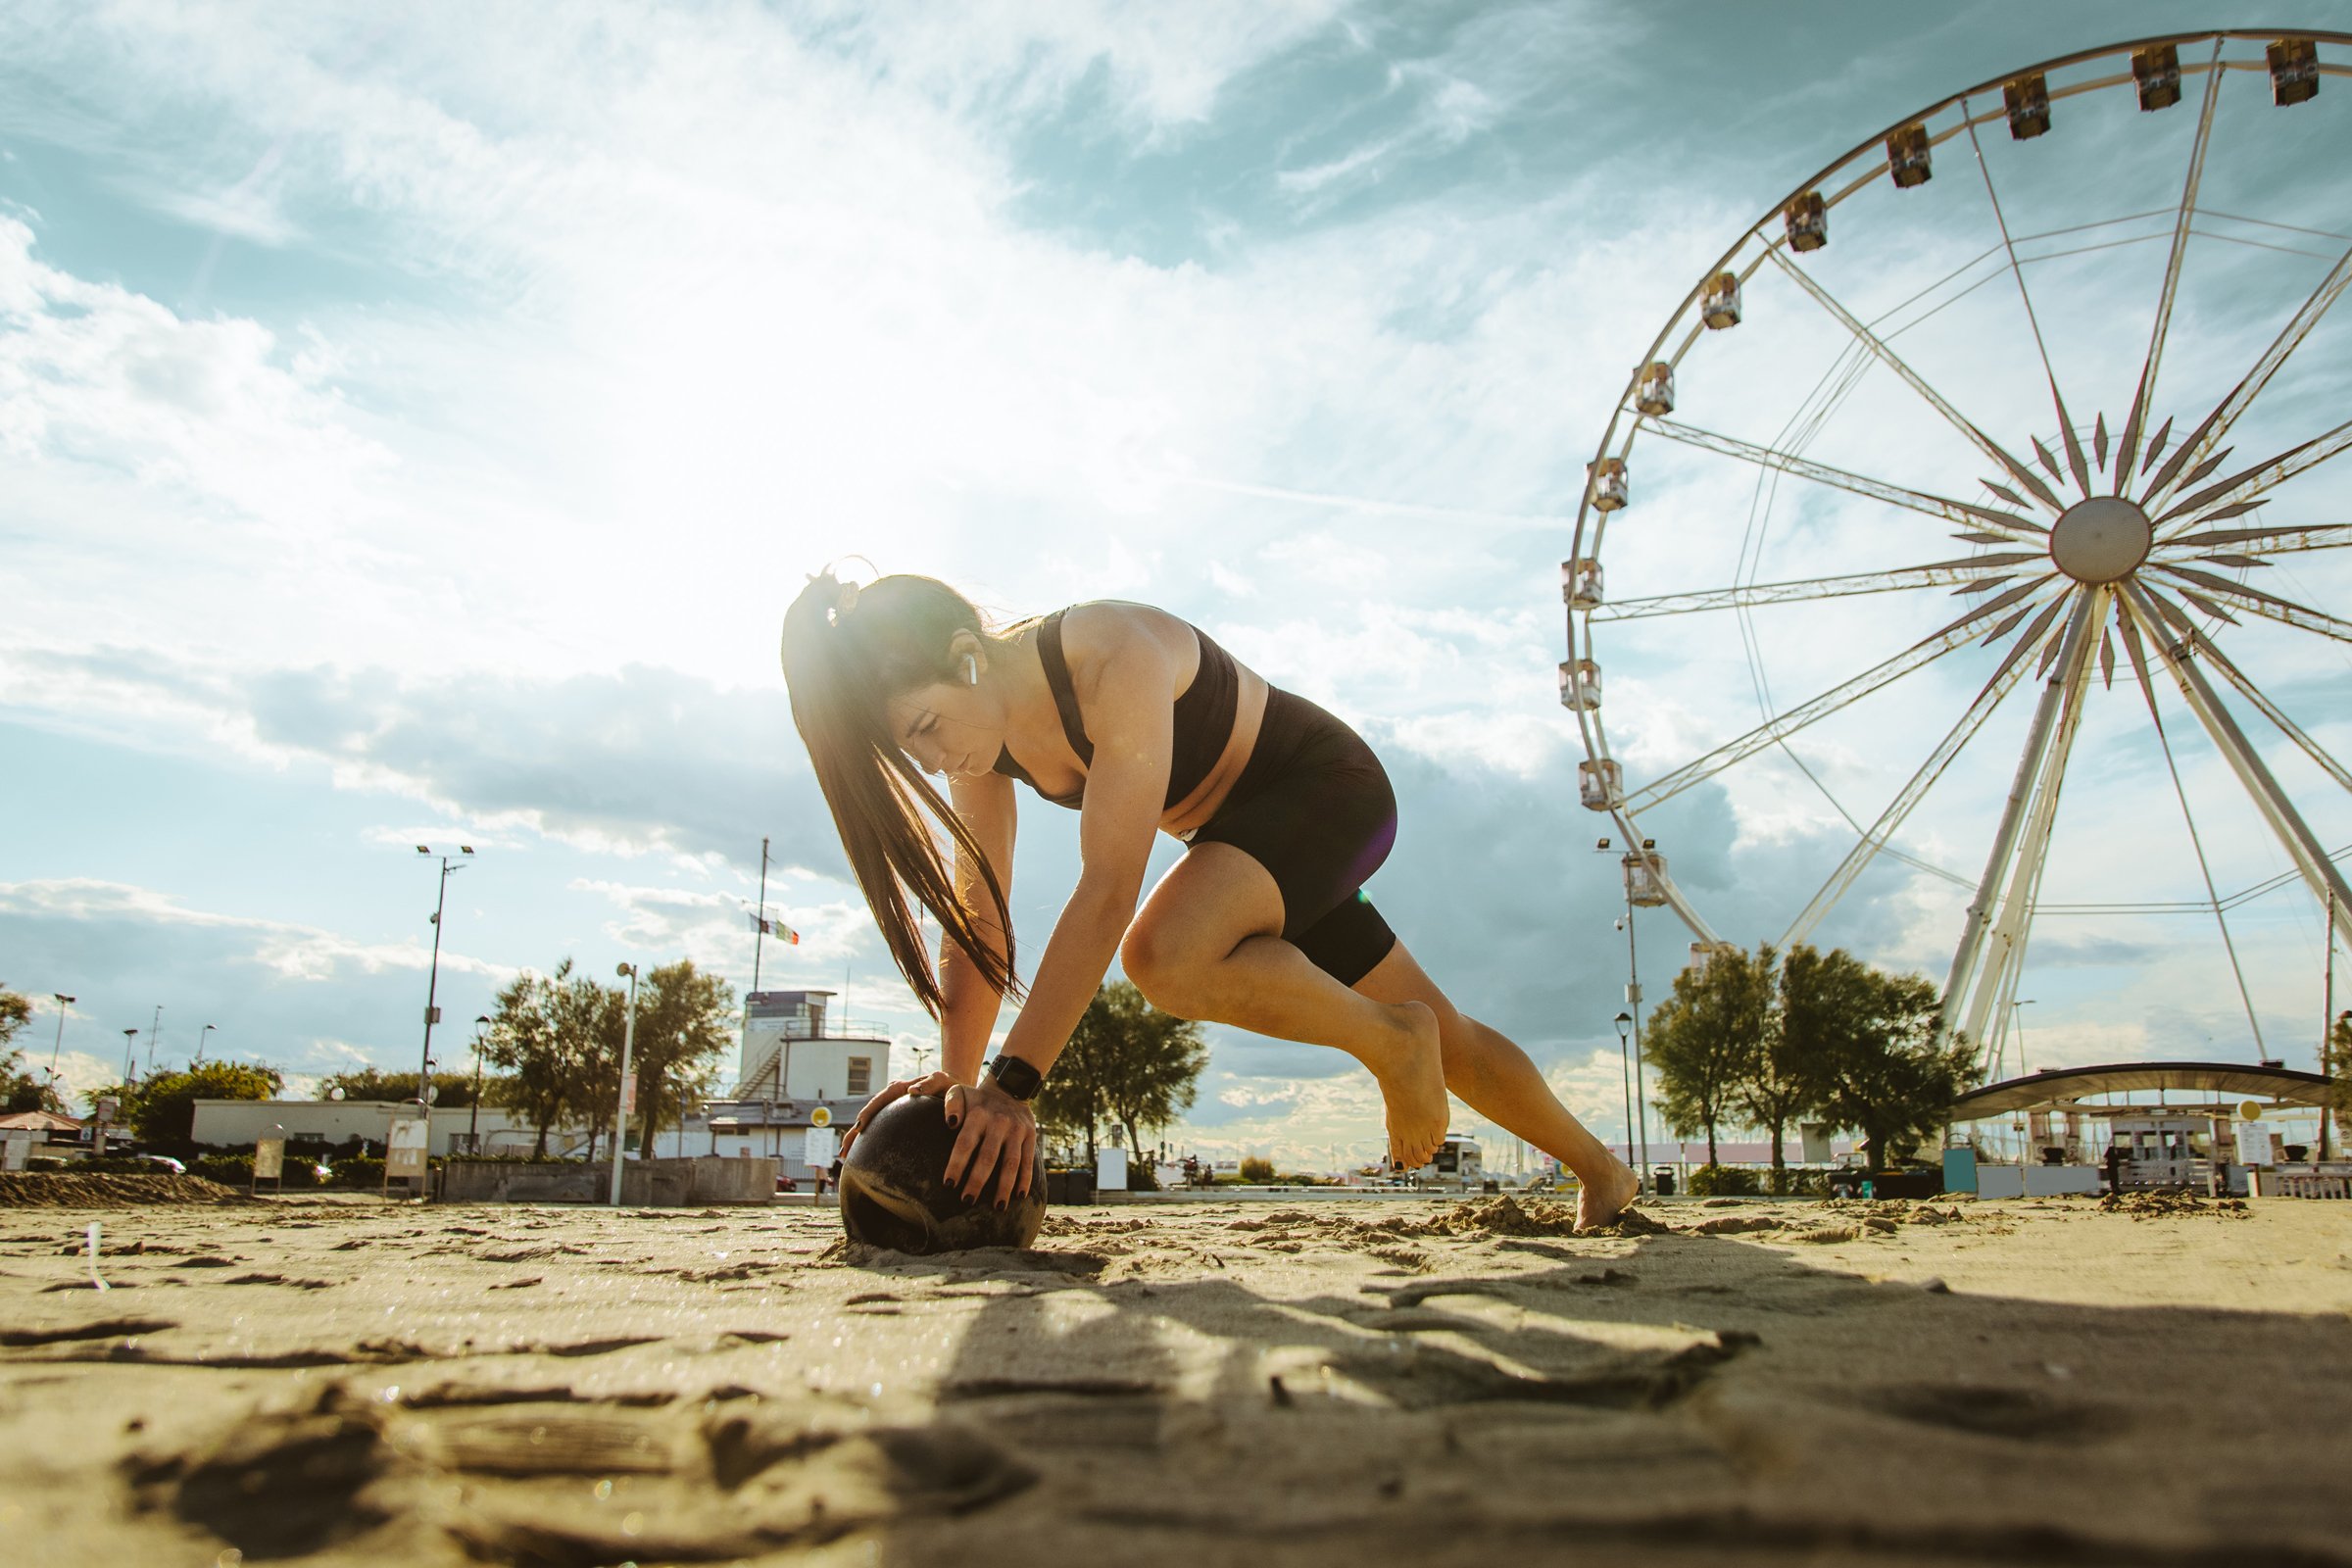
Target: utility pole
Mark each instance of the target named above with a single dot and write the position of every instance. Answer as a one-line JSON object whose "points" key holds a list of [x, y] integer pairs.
{"points": [[64, 1002], [154, 1030], [432, 985], [760, 929], [620, 1110], [474, 1119], [1633, 998], [2327, 1023], [1624, 1070]]}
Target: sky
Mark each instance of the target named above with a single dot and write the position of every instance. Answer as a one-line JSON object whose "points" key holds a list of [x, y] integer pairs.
{"points": [[415, 420]]}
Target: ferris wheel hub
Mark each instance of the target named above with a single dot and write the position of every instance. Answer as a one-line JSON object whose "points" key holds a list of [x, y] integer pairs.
{"points": [[2101, 540]]}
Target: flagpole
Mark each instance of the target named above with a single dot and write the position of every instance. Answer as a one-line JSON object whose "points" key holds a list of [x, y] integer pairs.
{"points": [[759, 931]]}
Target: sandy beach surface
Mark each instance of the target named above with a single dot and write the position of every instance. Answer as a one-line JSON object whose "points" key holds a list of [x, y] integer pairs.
{"points": [[346, 1381]]}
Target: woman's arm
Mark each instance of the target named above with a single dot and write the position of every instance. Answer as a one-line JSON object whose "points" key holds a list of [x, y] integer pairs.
{"points": [[990, 810], [1129, 709]]}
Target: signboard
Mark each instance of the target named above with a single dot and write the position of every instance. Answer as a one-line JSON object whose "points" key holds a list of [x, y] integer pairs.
{"points": [[2253, 1143], [822, 1141], [628, 1093], [821, 1116], [269, 1159], [403, 1150], [14, 1146]]}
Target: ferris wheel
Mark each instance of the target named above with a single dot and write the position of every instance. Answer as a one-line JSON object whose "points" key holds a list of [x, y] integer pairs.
{"points": [[2031, 395]]}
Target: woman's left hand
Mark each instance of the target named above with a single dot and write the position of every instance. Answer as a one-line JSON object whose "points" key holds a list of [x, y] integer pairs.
{"points": [[997, 1134]]}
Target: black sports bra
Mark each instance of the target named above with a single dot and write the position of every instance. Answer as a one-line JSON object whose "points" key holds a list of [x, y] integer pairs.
{"points": [[1204, 715]]}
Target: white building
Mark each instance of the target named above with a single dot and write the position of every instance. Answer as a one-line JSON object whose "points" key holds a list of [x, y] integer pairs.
{"points": [[789, 1066]]}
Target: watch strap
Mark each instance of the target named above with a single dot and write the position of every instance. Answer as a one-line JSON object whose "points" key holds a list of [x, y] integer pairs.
{"points": [[1018, 1078]]}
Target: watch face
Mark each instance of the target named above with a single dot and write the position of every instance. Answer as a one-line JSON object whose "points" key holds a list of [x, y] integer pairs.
{"points": [[1014, 1076]]}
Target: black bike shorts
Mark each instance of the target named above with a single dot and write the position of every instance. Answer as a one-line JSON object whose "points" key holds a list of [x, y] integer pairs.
{"points": [[1314, 808]]}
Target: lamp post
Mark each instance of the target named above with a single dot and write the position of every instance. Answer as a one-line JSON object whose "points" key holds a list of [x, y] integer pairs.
{"points": [[1625, 1072], [620, 1110], [63, 1003], [130, 1060], [433, 984], [200, 1039], [1633, 1000], [473, 1119]]}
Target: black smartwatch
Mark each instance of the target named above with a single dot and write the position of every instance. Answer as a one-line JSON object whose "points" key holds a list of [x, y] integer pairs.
{"points": [[1014, 1076]]}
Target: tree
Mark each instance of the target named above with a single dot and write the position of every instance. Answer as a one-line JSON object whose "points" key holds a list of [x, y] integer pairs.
{"points": [[450, 1088], [556, 1041], [684, 1024], [587, 1019], [1790, 1077], [1888, 1080], [162, 1106], [22, 1087], [1126, 1062], [1708, 1038], [522, 1043], [19, 1088]]}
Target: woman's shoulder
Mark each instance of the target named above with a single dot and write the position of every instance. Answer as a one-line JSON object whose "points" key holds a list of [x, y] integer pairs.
{"points": [[1103, 628]]}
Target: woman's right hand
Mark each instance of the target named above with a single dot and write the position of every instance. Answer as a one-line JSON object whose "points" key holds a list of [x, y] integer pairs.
{"points": [[930, 1083]]}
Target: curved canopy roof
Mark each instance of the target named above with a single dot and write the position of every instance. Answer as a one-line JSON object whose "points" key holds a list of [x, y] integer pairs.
{"points": [[2060, 1085]]}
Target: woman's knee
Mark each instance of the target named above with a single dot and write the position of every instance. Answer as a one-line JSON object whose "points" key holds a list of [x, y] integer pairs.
{"points": [[1155, 961]]}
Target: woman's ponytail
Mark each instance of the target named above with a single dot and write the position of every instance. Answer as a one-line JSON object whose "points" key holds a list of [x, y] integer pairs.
{"points": [[847, 652]]}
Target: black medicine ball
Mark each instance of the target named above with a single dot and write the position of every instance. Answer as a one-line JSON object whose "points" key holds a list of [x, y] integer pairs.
{"points": [[892, 1193]]}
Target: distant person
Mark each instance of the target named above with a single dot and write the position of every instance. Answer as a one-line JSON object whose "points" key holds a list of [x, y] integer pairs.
{"points": [[1139, 721]]}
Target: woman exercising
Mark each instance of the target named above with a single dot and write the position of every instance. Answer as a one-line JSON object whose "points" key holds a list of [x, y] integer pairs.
{"points": [[1136, 720]]}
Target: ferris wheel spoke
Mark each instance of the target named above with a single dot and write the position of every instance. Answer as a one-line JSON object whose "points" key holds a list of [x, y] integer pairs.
{"points": [[2073, 448], [2023, 835], [1959, 422], [2286, 612], [2135, 421], [2171, 765], [2319, 873], [1917, 655], [2270, 475], [1781, 593], [2210, 651], [2283, 347], [1881, 832], [1965, 513], [2285, 539]]}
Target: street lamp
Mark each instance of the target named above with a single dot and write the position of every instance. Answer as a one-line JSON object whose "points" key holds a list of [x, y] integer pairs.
{"points": [[2016, 1014], [621, 1114], [63, 1003], [432, 985], [1625, 1072], [1644, 858], [131, 1060], [473, 1119], [200, 1038]]}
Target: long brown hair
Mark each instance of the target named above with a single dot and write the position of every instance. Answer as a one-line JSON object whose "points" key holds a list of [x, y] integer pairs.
{"points": [[847, 652]]}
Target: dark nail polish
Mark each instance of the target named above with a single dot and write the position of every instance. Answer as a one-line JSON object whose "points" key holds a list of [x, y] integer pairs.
{"points": [[999, 1205]]}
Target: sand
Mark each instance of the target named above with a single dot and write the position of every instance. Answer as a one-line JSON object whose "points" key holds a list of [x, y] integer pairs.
{"points": [[345, 1381]]}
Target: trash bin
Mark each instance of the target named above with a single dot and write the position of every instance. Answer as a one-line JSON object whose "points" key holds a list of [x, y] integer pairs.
{"points": [[1065, 1188], [1663, 1183]]}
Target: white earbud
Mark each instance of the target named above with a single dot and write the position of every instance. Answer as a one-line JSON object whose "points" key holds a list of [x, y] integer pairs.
{"points": [[971, 671]]}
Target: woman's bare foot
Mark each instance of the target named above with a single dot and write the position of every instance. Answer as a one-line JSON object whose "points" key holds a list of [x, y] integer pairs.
{"points": [[1411, 1070], [1598, 1202]]}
